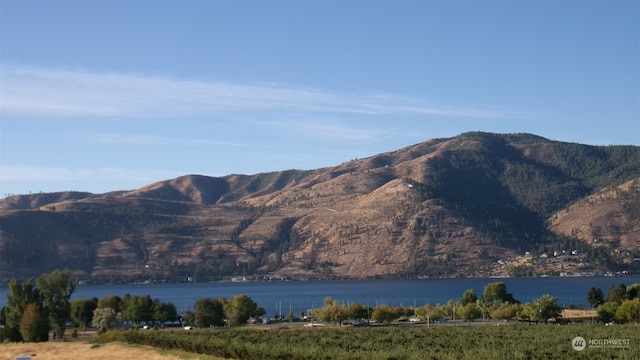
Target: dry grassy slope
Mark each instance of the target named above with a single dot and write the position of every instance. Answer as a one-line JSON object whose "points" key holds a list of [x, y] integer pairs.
{"points": [[601, 220], [356, 222], [360, 219], [193, 188], [34, 201], [382, 233]]}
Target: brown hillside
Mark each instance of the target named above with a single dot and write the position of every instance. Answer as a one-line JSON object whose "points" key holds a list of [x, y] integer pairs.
{"points": [[604, 219], [34, 201], [196, 188], [468, 206]]}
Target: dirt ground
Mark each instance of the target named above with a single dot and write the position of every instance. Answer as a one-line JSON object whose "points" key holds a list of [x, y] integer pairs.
{"points": [[85, 350]]}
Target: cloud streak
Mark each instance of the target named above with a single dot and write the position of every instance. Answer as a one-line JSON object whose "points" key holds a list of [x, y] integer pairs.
{"points": [[63, 174], [118, 139], [33, 91]]}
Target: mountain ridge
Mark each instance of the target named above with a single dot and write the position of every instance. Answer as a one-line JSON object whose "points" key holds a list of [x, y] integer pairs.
{"points": [[468, 206]]}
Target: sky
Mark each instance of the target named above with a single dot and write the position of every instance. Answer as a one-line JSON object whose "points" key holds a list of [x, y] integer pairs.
{"points": [[101, 95]]}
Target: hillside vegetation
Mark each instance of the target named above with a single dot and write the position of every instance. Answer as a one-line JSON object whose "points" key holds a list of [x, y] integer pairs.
{"points": [[475, 205]]}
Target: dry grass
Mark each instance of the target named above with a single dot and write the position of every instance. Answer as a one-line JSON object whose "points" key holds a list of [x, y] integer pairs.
{"points": [[83, 350], [602, 216]]}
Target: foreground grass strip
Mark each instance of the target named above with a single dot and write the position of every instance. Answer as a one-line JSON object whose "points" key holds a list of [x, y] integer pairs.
{"points": [[81, 350], [505, 342]]}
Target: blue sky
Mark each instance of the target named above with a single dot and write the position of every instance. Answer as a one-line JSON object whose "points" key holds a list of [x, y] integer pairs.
{"points": [[113, 95]]}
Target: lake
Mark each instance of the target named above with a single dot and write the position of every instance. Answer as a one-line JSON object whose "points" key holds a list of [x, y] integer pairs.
{"points": [[299, 296]]}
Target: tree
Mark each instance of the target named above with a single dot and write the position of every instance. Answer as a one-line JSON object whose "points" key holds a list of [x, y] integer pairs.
{"points": [[451, 308], [595, 296], [438, 312], [332, 311], [139, 309], [3, 317], [528, 312], [111, 301], [633, 291], [105, 319], [208, 312], [34, 325], [240, 308], [291, 316], [82, 311], [56, 289], [497, 292], [469, 297], [469, 312], [547, 307], [425, 313], [357, 311], [617, 294], [484, 309], [384, 313], [628, 311], [607, 311], [504, 311], [431, 313], [163, 312], [124, 307], [18, 298]]}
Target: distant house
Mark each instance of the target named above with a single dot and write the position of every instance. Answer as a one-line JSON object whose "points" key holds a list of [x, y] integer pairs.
{"points": [[572, 315]]}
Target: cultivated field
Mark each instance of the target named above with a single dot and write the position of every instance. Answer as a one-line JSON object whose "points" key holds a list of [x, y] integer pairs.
{"points": [[330, 342], [373, 343]]}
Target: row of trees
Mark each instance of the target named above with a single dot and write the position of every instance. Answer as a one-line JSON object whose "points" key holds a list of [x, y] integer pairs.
{"points": [[35, 307], [33, 310], [496, 303], [622, 306], [622, 303], [616, 294], [113, 311], [209, 312]]}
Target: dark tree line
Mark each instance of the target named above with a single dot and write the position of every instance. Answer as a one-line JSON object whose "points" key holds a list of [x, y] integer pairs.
{"points": [[621, 304], [33, 309], [210, 312], [36, 308]]}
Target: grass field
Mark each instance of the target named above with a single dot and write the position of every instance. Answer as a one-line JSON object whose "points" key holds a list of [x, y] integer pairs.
{"points": [[84, 350], [490, 342]]}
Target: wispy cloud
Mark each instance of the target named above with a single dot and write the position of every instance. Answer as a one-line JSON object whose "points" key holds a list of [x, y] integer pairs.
{"points": [[321, 129], [146, 140], [63, 178], [33, 91], [55, 174]]}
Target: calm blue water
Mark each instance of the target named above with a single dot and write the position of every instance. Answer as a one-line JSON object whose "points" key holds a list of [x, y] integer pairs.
{"points": [[300, 296]]}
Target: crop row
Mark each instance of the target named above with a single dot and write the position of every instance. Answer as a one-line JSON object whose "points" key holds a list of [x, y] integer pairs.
{"points": [[504, 342]]}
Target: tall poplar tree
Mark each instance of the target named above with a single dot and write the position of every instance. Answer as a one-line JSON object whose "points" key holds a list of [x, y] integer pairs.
{"points": [[56, 289], [18, 298]]}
